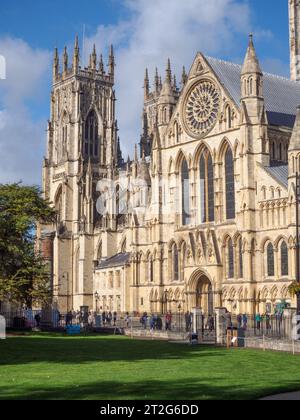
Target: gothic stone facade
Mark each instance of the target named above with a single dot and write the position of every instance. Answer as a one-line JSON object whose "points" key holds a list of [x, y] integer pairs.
{"points": [[210, 222]]}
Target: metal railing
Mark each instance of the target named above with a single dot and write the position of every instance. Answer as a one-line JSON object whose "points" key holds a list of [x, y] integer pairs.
{"points": [[273, 326]]}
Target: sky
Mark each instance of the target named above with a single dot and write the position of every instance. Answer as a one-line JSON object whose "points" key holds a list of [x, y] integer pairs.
{"points": [[145, 34]]}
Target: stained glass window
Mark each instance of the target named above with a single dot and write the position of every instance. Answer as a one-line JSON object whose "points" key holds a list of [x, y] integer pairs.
{"points": [[230, 261], [91, 136], [185, 187], [284, 260], [207, 194], [270, 260], [175, 263], [230, 187]]}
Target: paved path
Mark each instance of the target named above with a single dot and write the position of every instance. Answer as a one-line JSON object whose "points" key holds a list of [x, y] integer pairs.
{"points": [[292, 396]]}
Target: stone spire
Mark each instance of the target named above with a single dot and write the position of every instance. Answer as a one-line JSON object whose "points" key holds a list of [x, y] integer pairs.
{"points": [[101, 65], [55, 65], [93, 59], [169, 72], [119, 154], [251, 63], [136, 153], [111, 63], [65, 61], [295, 139], [251, 75], [184, 77], [174, 83], [76, 57], [156, 82], [146, 85], [167, 93]]}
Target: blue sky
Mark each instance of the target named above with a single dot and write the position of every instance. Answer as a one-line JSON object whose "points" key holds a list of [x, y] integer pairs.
{"points": [[145, 34]]}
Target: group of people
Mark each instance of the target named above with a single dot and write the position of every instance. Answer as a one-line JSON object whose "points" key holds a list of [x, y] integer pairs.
{"points": [[156, 322], [260, 321]]}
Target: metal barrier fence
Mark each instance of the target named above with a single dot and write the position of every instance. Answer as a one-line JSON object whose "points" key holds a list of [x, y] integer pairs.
{"points": [[273, 326]]}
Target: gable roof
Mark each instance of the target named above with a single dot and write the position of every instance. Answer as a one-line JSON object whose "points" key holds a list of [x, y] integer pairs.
{"points": [[280, 173], [282, 96], [118, 260]]}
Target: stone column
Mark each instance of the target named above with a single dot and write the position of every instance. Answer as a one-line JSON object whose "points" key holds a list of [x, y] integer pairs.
{"points": [[197, 320], [221, 329], [290, 323]]}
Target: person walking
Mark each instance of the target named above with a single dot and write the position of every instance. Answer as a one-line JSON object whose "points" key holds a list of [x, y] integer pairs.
{"points": [[245, 322], [239, 321], [127, 320], [109, 318], [268, 322], [168, 321], [37, 319], [258, 320], [104, 318], [115, 316]]}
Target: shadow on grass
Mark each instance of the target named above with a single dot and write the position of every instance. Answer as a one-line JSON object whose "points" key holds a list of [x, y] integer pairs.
{"points": [[188, 389], [72, 350]]}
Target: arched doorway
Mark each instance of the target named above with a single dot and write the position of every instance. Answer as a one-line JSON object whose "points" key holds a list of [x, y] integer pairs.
{"points": [[204, 295]]}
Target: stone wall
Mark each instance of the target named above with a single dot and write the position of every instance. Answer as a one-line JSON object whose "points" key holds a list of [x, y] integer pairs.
{"points": [[273, 344]]}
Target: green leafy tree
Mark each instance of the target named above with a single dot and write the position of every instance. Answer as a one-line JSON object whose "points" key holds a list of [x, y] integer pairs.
{"points": [[24, 276]]}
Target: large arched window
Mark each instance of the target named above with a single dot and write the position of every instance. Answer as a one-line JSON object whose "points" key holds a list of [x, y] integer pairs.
{"points": [[207, 192], [185, 190], [62, 145], [91, 136], [150, 269], [175, 263], [284, 257], [59, 206], [270, 261], [230, 259], [229, 185]]}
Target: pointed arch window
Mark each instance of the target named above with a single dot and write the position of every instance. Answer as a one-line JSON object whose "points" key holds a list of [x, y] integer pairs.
{"points": [[284, 259], [228, 117], [63, 139], [175, 263], [229, 185], [91, 136], [185, 190], [150, 269], [241, 262], [270, 261], [207, 193], [230, 259]]}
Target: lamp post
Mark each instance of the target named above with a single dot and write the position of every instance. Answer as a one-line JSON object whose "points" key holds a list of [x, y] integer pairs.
{"points": [[297, 239], [97, 297], [179, 311]]}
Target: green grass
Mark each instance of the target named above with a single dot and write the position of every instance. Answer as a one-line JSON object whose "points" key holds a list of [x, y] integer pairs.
{"points": [[58, 367]]}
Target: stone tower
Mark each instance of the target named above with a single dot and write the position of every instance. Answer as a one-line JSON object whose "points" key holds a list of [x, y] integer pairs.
{"points": [[82, 149], [294, 11]]}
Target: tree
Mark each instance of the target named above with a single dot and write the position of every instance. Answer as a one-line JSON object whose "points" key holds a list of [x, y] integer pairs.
{"points": [[24, 277]]}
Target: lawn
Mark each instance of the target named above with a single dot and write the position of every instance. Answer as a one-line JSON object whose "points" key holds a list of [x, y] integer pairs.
{"points": [[58, 367]]}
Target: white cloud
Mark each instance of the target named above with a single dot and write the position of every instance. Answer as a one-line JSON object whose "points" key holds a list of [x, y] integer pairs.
{"points": [[154, 31], [22, 139], [160, 29]]}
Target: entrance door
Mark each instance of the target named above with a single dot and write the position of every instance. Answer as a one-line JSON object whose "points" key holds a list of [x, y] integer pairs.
{"points": [[205, 296]]}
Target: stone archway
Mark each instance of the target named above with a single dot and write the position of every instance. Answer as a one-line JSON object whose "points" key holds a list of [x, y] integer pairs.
{"points": [[201, 293]]}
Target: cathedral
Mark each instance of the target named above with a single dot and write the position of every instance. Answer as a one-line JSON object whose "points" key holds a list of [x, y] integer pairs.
{"points": [[204, 216]]}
